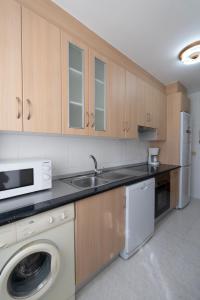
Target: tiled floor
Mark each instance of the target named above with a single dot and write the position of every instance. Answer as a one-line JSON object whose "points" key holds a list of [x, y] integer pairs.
{"points": [[167, 268]]}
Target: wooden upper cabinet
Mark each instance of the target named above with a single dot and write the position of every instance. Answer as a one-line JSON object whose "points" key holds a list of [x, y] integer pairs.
{"points": [[117, 101], [151, 108], [145, 104], [141, 103], [75, 76], [185, 103], [99, 96], [10, 66], [130, 117], [160, 114], [51, 82], [154, 107], [162, 117], [41, 74]]}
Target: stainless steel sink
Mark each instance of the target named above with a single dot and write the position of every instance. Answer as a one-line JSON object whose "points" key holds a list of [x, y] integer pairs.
{"points": [[86, 181], [91, 181]]}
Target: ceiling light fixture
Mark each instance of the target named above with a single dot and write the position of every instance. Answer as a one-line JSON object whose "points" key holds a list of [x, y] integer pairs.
{"points": [[190, 54]]}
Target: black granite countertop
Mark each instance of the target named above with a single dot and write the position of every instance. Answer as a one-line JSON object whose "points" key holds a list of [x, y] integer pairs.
{"points": [[20, 207]]}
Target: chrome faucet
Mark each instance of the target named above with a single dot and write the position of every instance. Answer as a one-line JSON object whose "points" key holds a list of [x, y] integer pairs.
{"points": [[96, 171]]}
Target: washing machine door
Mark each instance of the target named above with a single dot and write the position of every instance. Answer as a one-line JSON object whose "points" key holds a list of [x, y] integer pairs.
{"points": [[30, 272]]}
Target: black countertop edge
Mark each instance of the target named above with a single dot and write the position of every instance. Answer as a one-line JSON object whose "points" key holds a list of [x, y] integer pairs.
{"points": [[33, 209]]}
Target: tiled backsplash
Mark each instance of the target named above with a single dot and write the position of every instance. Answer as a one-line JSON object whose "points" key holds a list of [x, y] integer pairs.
{"points": [[71, 154]]}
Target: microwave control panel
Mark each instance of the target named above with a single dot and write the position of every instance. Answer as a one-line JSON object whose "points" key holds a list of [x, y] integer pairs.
{"points": [[46, 174]]}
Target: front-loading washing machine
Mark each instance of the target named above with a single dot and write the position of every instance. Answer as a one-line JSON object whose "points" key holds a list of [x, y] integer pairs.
{"points": [[37, 257]]}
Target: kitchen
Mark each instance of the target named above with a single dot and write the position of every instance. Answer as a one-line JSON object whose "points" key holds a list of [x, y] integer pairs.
{"points": [[99, 158]]}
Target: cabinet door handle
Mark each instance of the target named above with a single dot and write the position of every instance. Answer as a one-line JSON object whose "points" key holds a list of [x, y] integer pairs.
{"points": [[127, 126], [124, 126], [88, 119], [92, 120], [29, 109], [19, 107]]}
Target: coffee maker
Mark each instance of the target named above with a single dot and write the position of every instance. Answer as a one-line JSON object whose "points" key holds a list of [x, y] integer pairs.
{"points": [[153, 156]]}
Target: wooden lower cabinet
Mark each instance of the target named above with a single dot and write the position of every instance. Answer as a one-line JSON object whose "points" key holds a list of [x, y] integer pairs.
{"points": [[99, 232], [174, 188]]}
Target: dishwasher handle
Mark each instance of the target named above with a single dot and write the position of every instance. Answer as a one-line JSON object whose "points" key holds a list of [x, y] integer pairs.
{"points": [[141, 186], [144, 187]]}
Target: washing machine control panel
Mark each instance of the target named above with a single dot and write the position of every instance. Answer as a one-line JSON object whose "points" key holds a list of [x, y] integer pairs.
{"points": [[26, 228], [44, 221]]}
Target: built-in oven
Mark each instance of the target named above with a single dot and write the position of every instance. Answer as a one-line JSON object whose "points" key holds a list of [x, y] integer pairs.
{"points": [[162, 194]]}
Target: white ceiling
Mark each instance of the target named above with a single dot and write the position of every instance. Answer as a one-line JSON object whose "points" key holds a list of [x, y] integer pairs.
{"points": [[150, 32]]}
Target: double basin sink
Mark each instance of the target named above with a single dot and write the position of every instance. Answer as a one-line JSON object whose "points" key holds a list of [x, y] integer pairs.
{"points": [[92, 181]]}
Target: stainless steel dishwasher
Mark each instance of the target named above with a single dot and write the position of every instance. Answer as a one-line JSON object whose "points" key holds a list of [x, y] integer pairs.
{"points": [[139, 214]]}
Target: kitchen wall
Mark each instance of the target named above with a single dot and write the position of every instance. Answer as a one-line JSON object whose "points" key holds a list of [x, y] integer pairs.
{"points": [[71, 154], [195, 111]]}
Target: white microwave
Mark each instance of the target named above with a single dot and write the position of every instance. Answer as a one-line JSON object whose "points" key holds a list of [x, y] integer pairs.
{"points": [[18, 177]]}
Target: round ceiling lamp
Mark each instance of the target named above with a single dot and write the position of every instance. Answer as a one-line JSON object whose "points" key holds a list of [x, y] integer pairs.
{"points": [[190, 54]]}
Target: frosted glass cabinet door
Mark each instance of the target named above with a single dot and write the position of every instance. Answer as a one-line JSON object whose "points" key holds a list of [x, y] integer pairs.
{"points": [[98, 94], [74, 86], [100, 88]]}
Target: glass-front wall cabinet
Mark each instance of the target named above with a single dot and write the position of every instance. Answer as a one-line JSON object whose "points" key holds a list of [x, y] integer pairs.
{"points": [[84, 89], [75, 115], [76, 87], [100, 95]]}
